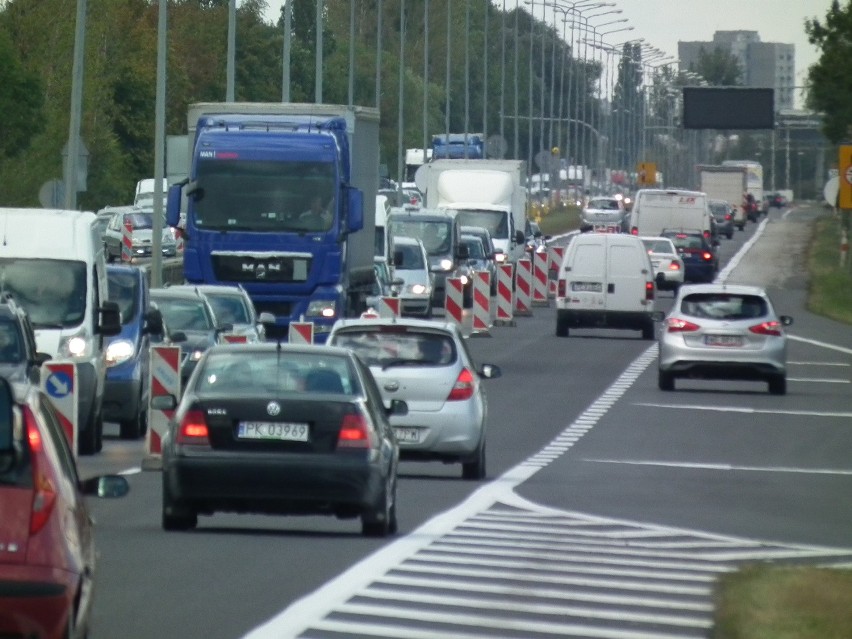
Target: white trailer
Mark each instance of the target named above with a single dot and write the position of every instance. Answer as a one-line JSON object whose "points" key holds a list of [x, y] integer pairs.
{"points": [[727, 183]]}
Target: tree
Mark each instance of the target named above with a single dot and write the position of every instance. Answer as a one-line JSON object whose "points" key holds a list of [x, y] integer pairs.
{"points": [[719, 67], [21, 101], [829, 90]]}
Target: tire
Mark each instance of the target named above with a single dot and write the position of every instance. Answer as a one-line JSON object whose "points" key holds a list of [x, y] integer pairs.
{"points": [[648, 331], [729, 235], [665, 381], [561, 327], [778, 385], [90, 438], [475, 468], [176, 516], [380, 521], [135, 427]]}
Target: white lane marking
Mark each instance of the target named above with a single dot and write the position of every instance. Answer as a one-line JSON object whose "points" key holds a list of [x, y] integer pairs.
{"points": [[725, 273], [725, 467], [797, 363], [814, 342], [743, 409], [819, 380]]}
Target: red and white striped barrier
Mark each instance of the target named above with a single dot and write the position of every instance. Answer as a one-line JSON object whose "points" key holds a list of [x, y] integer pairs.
{"points": [[127, 240], [59, 382], [523, 287], [481, 303], [505, 296], [540, 274], [453, 299], [389, 307], [164, 380], [554, 261], [301, 333]]}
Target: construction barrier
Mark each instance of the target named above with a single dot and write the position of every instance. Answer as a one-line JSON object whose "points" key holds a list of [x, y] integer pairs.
{"points": [[540, 276], [301, 333], [59, 382], [554, 261], [505, 296], [481, 303], [164, 377], [453, 299], [523, 287], [127, 240], [389, 307]]}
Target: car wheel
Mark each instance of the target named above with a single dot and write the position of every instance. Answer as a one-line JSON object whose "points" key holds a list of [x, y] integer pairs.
{"points": [[665, 381], [380, 520], [134, 427], [778, 385], [729, 235], [561, 327], [648, 330], [175, 515], [475, 468]]}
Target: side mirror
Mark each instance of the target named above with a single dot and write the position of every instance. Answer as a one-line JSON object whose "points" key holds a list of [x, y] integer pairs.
{"points": [[266, 318], [173, 202], [163, 402], [354, 209], [490, 371], [462, 253], [177, 337], [519, 237], [107, 486], [785, 320], [153, 322], [110, 319]]}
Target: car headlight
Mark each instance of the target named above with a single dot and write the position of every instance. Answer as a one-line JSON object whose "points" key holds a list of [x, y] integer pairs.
{"points": [[119, 352], [464, 279], [418, 289], [499, 257], [196, 355], [79, 346], [446, 264], [322, 308]]}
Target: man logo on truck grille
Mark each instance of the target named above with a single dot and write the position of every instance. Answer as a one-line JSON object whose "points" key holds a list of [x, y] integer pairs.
{"points": [[260, 270]]}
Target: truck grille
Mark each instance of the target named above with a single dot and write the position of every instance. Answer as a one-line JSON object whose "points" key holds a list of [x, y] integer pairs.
{"points": [[251, 268]]}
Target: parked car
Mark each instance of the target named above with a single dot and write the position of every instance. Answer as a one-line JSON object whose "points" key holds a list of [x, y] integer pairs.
{"points": [[700, 259], [723, 331], [428, 365], [48, 563], [280, 429], [411, 266], [126, 388], [668, 267], [20, 361], [723, 217], [232, 305], [142, 225], [186, 311]]}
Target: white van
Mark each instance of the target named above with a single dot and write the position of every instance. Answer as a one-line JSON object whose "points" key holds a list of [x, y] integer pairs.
{"points": [[606, 280], [52, 263], [655, 210]]}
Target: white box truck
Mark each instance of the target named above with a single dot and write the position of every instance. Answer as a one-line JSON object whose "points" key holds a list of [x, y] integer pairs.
{"points": [[486, 193], [656, 210], [727, 183]]}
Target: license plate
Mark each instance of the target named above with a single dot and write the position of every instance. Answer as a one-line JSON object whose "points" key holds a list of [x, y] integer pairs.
{"points": [[587, 287], [723, 340], [407, 435], [280, 431]]}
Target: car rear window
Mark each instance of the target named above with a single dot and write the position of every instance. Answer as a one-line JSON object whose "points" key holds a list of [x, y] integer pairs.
{"points": [[395, 346], [724, 306]]}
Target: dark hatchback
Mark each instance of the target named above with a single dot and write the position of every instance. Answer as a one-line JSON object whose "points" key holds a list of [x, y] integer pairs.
{"points": [[280, 429], [700, 259]]}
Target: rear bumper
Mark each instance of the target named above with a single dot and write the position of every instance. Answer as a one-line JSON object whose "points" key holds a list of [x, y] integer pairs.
{"points": [[35, 602], [636, 320]]}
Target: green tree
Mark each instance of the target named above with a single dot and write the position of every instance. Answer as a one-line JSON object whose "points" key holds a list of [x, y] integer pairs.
{"points": [[829, 91], [21, 101], [718, 67]]}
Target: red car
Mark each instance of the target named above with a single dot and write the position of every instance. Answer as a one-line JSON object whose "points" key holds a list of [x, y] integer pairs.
{"points": [[47, 554]]}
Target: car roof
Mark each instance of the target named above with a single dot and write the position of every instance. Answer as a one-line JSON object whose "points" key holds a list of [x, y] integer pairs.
{"points": [[282, 347], [737, 289]]}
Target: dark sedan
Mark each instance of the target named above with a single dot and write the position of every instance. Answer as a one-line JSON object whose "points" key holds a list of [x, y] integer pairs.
{"points": [[281, 429], [700, 260]]}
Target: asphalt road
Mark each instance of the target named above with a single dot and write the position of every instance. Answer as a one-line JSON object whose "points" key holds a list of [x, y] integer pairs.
{"points": [[609, 509]]}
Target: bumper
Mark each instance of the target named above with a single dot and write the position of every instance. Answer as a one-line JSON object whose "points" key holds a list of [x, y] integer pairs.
{"points": [[275, 484], [636, 320], [703, 272], [450, 434], [36, 602], [122, 399], [721, 363], [415, 306]]}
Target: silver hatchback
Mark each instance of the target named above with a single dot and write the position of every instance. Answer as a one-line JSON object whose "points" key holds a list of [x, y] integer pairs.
{"points": [[719, 331], [426, 364]]}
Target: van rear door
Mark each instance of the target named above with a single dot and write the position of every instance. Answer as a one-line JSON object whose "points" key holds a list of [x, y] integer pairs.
{"points": [[587, 281], [628, 274]]}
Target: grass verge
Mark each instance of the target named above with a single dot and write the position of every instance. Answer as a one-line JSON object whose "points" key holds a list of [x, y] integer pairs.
{"points": [[830, 292]]}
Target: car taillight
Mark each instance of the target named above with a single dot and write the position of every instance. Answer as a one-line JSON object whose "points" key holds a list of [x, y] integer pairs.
{"points": [[678, 325], [44, 492], [560, 288], [707, 234], [193, 429], [728, 217], [767, 328], [707, 256], [649, 290], [634, 230], [354, 432], [674, 266], [463, 388]]}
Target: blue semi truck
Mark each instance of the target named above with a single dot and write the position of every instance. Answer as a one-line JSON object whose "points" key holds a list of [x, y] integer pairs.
{"points": [[458, 146], [280, 199]]}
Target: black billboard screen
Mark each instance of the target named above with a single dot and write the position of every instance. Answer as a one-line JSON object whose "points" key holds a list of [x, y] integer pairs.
{"points": [[728, 108]]}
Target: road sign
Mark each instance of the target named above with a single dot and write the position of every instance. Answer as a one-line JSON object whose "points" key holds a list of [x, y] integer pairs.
{"points": [[844, 166], [647, 173], [59, 381]]}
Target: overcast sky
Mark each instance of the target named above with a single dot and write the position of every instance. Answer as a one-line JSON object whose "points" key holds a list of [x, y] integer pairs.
{"points": [[664, 22]]}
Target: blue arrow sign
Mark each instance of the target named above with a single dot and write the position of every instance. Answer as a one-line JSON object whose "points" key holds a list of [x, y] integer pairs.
{"points": [[59, 384]]}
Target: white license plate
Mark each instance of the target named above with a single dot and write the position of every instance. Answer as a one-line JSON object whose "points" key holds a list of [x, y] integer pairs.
{"points": [[407, 435], [587, 287], [723, 340], [281, 431]]}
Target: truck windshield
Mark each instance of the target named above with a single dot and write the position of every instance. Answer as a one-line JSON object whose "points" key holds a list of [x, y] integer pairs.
{"points": [[52, 292], [436, 235], [264, 197], [495, 221]]}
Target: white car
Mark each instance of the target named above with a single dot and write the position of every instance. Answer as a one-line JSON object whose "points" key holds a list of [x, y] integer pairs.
{"points": [[605, 214], [426, 364], [722, 331], [668, 267], [411, 266], [232, 305]]}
